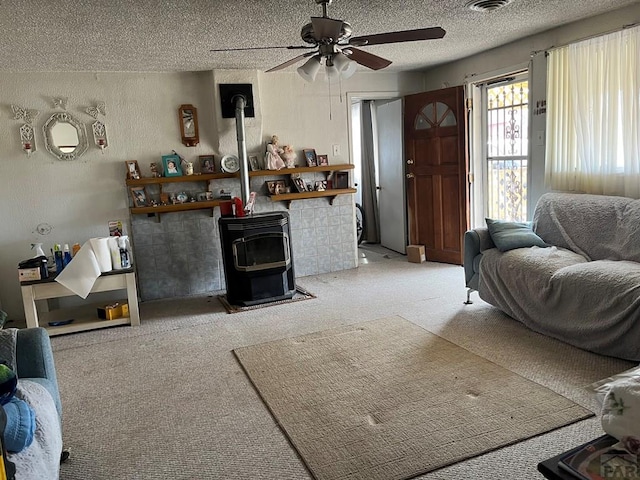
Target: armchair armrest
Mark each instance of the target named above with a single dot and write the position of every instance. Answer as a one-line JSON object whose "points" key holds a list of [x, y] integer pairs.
{"points": [[34, 361]]}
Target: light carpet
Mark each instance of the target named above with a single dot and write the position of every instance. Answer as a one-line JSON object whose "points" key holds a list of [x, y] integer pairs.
{"points": [[386, 399]]}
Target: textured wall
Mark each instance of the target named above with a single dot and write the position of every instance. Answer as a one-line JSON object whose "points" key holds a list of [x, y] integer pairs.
{"points": [[78, 198]]}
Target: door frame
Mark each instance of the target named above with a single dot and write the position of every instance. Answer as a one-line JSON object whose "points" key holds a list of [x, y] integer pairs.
{"points": [[359, 96], [476, 174]]}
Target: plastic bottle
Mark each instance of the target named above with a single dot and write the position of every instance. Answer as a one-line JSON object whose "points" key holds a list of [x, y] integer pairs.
{"points": [[66, 258], [38, 249], [124, 253], [57, 254], [75, 249]]}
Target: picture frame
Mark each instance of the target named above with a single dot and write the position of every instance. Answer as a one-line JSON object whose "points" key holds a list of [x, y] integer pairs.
{"points": [[139, 196], [133, 170], [276, 187], [254, 163], [323, 160], [341, 180], [207, 164], [298, 182], [321, 185], [310, 157], [171, 166]]}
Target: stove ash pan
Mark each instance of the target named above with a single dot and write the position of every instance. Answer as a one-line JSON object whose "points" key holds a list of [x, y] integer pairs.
{"points": [[257, 257]]}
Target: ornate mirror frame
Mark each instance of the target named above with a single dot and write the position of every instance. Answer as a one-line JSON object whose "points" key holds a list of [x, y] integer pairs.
{"points": [[188, 113], [52, 148]]}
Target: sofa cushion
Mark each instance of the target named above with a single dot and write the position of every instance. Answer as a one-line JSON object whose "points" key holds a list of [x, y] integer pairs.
{"points": [[510, 235]]}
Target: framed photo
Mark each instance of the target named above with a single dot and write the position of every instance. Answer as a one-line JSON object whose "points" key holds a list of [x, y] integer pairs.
{"points": [[276, 187], [310, 157], [171, 165], [207, 164], [254, 164], [139, 196], [133, 170], [298, 182], [341, 180], [323, 160]]}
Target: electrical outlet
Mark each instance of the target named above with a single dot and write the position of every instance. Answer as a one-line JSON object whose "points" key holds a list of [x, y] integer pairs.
{"points": [[336, 150]]}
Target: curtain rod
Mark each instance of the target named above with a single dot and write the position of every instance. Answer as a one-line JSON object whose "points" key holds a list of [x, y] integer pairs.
{"points": [[589, 37]]}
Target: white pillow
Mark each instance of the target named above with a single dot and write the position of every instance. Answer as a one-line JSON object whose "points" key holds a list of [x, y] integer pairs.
{"points": [[620, 414]]}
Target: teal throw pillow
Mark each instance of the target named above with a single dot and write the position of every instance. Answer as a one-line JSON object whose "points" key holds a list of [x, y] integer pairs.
{"points": [[509, 235]]}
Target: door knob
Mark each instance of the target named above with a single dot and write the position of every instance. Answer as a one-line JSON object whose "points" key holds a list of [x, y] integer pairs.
{"points": [[410, 175], [409, 162]]}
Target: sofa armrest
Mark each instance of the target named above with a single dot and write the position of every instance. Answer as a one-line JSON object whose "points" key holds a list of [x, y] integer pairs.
{"points": [[476, 241], [471, 250], [34, 361]]}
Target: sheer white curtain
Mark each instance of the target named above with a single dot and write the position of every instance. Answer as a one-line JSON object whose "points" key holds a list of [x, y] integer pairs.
{"points": [[593, 115]]}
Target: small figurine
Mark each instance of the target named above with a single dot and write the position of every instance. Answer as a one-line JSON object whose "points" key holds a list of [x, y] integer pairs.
{"points": [[188, 167], [273, 160], [154, 170], [289, 156]]}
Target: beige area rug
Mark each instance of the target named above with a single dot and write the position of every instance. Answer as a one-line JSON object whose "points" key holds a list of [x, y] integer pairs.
{"points": [[386, 399], [301, 294]]}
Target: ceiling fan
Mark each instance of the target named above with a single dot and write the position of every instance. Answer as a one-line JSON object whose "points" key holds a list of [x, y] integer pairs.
{"points": [[330, 40]]}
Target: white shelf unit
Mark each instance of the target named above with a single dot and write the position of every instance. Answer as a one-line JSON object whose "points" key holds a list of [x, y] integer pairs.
{"points": [[85, 317]]}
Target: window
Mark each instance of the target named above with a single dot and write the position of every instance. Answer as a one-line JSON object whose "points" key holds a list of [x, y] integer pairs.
{"points": [[593, 115], [507, 144]]}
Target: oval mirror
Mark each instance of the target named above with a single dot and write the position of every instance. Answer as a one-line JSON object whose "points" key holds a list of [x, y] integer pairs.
{"points": [[64, 137]]}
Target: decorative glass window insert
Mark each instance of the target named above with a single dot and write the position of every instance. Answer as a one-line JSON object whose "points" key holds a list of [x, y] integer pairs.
{"points": [[436, 114]]}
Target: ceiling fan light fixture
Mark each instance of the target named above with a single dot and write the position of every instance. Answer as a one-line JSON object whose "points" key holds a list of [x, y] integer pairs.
{"points": [[332, 72], [349, 70], [310, 69], [340, 61], [487, 5]]}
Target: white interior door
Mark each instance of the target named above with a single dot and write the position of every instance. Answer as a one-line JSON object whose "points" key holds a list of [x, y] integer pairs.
{"points": [[391, 196]]}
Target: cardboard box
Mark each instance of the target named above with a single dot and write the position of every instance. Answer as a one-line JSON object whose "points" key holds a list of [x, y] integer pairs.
{"points": [[29, 274], [113, 311], [415, 253]]}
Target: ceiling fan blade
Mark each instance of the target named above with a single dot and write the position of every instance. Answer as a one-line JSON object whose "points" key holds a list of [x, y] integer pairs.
{"points": [[324, 27], [290, 62], [290, 47], [367, 59], [396, 37]]}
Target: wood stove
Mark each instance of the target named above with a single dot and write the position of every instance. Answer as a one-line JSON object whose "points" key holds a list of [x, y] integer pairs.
{"points": [[257, 257]]}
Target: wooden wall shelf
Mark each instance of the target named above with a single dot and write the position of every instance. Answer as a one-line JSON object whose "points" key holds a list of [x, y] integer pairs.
{"points": [[206, 177], [332, 193], [178, 207]]}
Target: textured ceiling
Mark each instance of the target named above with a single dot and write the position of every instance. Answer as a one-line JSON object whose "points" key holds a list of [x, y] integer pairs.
{"points": [[176, 35]]}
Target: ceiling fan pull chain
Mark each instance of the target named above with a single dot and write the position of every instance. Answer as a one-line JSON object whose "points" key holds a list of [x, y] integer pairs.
{"points": [[330, 102]]}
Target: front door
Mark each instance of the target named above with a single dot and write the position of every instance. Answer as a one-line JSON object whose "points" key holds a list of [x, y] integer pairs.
{"points": [[437, 199]]}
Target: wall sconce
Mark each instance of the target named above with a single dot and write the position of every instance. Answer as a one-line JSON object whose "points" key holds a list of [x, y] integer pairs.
{"points": [[100, 135], [27, 139]]}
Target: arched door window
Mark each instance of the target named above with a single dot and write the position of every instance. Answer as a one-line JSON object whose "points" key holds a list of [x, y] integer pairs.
{"points": [[436, 114]]}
